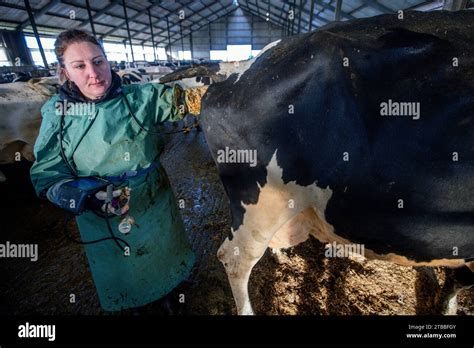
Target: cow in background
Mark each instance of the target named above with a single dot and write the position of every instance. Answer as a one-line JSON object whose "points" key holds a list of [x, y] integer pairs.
{"points": [[21, 104]]}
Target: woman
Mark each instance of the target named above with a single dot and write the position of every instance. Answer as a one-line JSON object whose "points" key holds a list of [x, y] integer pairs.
{"points": [[137, 251]]}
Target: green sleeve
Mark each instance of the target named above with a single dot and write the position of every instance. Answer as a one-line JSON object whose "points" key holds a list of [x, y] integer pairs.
{"points": [[165, 106], [48, 168]]}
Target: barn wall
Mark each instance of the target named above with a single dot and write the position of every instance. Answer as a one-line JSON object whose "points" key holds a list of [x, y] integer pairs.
{"points": [[238, 28]]}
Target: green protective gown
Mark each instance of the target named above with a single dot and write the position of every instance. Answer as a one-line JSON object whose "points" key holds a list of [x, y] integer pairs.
{"points": [[109, 143]]}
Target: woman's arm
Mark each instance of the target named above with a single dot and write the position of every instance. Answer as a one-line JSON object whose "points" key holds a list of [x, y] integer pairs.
{"points": [[48, 168]]}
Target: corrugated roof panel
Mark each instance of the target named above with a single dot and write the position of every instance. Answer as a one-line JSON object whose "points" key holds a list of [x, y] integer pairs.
{"points": [[100, 29], [366, 12], [400, 4], [196, 6], [98, 4], [172, 6], [139, 5], [13, 15], [117, 11], [136, 26], [328, 15], [120, 32], [55, 21], [348, 6], [107, 19], [62, 9], [33, 3]]}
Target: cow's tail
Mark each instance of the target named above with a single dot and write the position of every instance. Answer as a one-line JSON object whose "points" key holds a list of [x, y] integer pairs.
{"points": [[44, 86], [210, 70]]}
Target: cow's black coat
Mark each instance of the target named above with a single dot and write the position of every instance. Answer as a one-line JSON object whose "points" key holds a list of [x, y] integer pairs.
{"points": [[337, 110]]}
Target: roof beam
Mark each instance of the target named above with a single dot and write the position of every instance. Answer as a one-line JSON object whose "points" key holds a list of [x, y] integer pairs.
{"points": [[67, 17], [426, 6], [316, 15], [375, 4], [337, 14], [357, 9], [454, 5], [167, 29], [178, 23], [112, 15], [38, 41], [206, 18], [106, 13], [136, 15], [99, 12], [333, 9], [89, 14], [283, 19], [218, 18], [254, 14], [38, 14]]}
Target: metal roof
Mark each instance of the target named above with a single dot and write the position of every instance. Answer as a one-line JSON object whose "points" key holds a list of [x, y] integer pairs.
{"points": [[53, 16]]}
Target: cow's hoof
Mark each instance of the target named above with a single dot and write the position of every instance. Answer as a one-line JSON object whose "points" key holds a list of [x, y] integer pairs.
{"points": [[247, 312], [246, 309], [278, 256], [452, 307]]}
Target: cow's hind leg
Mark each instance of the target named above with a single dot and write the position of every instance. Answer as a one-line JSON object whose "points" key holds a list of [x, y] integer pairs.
{"points": [[277, 204], [461, 278], [240, 254]]}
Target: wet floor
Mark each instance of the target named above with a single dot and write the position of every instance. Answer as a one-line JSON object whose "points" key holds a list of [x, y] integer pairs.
{"points": [[298, 281]]}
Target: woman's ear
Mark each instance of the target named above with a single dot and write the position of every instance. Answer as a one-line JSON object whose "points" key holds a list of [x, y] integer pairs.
{"points": [[66, 74], [63, 75]]}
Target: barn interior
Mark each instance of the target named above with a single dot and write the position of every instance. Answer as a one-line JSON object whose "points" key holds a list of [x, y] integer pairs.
{"points": [[147, 39]]}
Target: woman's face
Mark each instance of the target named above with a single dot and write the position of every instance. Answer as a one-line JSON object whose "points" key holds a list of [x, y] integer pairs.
{"points": [[87, 67]]}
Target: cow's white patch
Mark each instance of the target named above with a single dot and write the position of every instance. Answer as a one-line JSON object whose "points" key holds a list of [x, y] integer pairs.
{"points": [[271, 222], [267, 47], [264, 220], [229, 68], [185, 83], [133, 75], [21, 116]]}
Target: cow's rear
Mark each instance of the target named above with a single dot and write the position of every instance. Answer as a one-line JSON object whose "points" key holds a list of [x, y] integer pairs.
{"points": [[363, 135]]}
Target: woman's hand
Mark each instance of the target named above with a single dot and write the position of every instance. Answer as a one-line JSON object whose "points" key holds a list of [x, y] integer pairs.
{"points": [[119, 204], [189, 100], [193, 98]]}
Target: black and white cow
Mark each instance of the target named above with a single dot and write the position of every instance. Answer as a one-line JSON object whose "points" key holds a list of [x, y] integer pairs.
{"points": [[363, 132]]}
